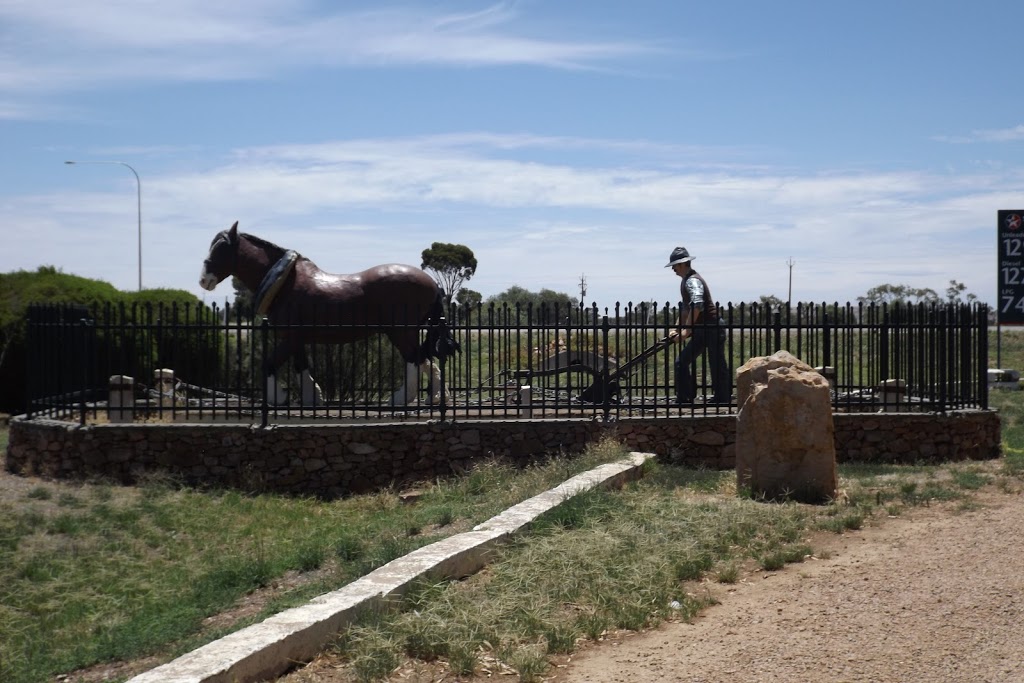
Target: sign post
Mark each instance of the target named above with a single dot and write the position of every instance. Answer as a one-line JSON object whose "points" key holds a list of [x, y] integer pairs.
{"points": [[1011, 267]]}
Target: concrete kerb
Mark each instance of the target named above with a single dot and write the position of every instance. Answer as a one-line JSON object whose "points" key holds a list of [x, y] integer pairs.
{"points": [[271, 647]]}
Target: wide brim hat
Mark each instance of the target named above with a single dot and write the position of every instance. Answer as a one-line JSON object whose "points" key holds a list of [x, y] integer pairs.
{"points": [[679, 255]]}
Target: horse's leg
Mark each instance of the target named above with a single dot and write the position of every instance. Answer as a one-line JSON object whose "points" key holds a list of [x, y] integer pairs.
{"points": [[406, 341], [311, 393], [275, 395], [406, 393], [429, 367]]}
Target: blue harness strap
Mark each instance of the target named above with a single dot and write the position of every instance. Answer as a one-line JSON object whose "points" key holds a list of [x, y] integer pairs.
{"points": [[273, 280]]}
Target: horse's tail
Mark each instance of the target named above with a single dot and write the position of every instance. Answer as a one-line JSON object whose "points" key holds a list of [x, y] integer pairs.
{"points": [[440, 342]]}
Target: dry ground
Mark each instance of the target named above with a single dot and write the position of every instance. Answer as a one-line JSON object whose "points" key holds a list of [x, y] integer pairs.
{"points": [[936, 595]]}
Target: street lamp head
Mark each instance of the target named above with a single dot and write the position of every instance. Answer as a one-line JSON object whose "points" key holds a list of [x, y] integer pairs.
{"points": [[69, 162]]}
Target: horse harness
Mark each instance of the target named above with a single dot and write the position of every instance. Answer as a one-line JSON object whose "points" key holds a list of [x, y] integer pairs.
{"points": [[273, 281]]}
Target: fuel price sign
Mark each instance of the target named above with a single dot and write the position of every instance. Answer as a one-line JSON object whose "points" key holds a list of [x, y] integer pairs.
{"points": [[1011, 267]]}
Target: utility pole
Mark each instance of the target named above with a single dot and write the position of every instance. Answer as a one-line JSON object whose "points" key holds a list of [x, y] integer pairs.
{"points": [[790, 263], [583, 297]]}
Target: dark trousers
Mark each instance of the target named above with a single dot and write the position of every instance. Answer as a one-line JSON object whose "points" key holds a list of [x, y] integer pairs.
{"points": [[712, 340]]}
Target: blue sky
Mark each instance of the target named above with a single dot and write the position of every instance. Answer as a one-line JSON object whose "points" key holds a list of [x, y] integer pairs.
{"points": [[866, 143]]}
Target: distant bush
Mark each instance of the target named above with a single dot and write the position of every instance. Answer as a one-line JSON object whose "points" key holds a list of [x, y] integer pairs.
{"points": [[48, 285]]}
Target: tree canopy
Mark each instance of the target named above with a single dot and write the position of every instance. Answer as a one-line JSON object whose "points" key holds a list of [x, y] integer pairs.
{"points": [[470, 297], [47, 284], [957, 293], [547, 305], [902, 294], [523, 297], [771, 301], [450, 266]]}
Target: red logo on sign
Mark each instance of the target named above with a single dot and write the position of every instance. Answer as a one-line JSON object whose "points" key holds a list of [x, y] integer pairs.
{"points": [[1013, 221]]}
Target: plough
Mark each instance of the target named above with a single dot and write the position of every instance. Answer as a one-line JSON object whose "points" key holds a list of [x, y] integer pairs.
{"points": [[606, 376]]}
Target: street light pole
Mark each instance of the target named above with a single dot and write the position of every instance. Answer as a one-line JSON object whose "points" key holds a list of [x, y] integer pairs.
{"points": [[138, 186], [790, 263]]}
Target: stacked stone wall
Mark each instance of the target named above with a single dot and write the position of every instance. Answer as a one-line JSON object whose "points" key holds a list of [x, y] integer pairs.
{"points": [[335, 460]]}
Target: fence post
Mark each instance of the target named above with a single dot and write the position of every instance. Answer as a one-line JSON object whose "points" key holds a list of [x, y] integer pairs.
{"points": [[264, 409], [443, 362], [981, 311], [777, 325], [88, 356], [526, 401], [940, 360], [605, 399], [883, 344], [33, 339], [826, 338]]}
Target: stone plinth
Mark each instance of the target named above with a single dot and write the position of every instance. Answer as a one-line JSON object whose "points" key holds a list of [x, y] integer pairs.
{"points": [[785, 436]]}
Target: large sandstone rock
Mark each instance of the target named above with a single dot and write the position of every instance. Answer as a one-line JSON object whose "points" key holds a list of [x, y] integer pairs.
{"points": [[785, 437]]}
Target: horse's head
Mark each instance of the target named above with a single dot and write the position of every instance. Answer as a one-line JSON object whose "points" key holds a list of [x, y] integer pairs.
{"points": [[222, 259]]}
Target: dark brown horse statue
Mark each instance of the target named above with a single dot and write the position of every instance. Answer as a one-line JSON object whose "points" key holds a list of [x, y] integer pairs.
{"points": [[394, 299]]}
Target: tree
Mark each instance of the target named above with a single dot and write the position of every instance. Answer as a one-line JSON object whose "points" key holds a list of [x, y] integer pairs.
{"points": [[514, 295], [898, 294], [771, 301], [80, 296], [548, 305], [451, 265], [470, 297], [955, 293], [467, 306]]}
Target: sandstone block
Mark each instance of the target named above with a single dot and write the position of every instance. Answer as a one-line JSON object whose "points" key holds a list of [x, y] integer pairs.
{"points": [[785, 436]]}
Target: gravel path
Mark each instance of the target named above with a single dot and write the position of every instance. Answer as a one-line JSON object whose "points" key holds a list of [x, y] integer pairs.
{"points": [[933, 596]]}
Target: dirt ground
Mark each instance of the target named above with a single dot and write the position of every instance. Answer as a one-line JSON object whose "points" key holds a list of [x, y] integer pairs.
{"points": [[935, 595]]}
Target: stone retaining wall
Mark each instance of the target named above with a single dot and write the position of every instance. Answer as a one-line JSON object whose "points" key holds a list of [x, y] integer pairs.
{"points": [[335, 460]]}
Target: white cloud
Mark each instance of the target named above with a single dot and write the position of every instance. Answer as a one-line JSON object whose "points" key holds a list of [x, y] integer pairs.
{"points": [[64, 45], [1013, 134], [349, 204]]}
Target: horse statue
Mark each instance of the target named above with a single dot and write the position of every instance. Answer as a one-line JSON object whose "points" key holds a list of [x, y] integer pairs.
{"points": [[394, 299]]}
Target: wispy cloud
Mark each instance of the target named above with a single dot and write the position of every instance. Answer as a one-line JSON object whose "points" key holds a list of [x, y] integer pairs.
{"points": [[1013, 134], [60, 45]]}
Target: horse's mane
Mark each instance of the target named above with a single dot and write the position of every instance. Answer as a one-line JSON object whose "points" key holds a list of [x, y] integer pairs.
{"points": [[262, 243]]}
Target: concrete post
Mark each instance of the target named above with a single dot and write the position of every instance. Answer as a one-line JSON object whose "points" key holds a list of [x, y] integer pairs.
{"points": [[163, 380], [526, 401], [892, 392], [121, 400]]}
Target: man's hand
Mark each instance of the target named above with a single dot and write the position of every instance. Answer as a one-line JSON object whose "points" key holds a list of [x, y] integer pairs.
{"points": [[678, 336]]}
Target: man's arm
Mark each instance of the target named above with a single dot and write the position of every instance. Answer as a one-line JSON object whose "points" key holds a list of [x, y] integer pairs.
{"points": [[686, 323], [695, 295]]}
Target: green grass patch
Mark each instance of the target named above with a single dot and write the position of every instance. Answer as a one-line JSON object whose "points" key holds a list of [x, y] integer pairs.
{"points": [[107, 573]]}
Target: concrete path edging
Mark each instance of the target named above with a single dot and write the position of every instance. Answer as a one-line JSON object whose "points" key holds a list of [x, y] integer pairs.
{"points": [[268, 649]]}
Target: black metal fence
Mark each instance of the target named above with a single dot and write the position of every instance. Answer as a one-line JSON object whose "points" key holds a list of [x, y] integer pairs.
{"points": [[206, 364]]}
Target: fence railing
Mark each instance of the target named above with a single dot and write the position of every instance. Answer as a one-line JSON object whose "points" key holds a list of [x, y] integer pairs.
{"points": [[207, 364]]}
